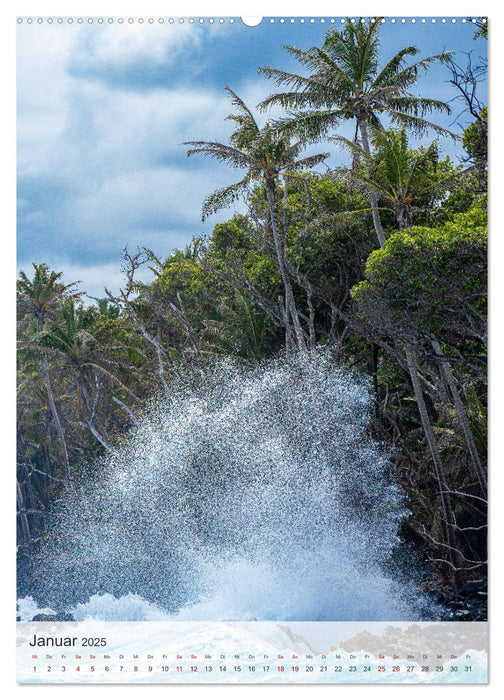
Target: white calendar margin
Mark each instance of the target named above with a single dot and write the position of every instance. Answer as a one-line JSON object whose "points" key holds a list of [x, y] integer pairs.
{"points": [[7, 282]]}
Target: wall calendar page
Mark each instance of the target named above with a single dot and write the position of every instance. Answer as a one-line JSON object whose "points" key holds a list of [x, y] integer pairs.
{"points": [[251, 324]]}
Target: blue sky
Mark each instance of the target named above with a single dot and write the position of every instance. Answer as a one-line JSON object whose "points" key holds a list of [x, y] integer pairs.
{"points": [[103, 111]]}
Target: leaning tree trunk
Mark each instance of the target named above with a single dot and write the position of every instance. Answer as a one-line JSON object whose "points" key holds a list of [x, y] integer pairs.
{"points": [[25, 527], [373, 199], [449, 517], [53, 409], [290, 345], [57, 421], [481, 165], [376, 358], [464, 423], [289, 295], [98, 427]]}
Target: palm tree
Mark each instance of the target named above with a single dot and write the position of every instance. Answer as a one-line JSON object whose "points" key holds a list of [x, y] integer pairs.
{"points": [[39, 297], [265, 155], [73, 339], [345, 82], [395, 174]]}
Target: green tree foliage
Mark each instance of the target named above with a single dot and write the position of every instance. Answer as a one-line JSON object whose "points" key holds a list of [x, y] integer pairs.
{"points": [[475, 142], [426, 292], [431, 282]]}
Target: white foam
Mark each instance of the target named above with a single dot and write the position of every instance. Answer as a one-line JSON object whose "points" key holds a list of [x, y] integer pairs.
{"points": [[254, 494]]}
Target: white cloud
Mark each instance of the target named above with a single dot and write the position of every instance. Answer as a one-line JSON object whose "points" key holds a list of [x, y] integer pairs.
{"points": [[92, 278], [128, 201], [42, 89], [137, 128], [120, 44], [54, 106], [125, 171], [101, 168]]}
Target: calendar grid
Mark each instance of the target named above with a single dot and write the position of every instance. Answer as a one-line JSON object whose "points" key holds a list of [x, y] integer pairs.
{"points": [[253, 652]]}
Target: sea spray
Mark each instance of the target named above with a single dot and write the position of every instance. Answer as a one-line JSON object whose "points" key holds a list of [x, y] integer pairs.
{"points": [[251, 493]]}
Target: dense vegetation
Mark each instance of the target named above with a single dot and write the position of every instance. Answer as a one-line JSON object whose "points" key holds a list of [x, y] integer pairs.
{"points": [[382, 261]]}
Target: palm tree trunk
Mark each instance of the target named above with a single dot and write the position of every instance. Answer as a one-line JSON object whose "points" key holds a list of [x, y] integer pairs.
{"points": [[285, 200], [53, 409], [57, 421], [289, 340], [449, 517], [289, 295], [466, 428], [481, 164], [402, 218], [373, 199], [91, 410], [25, 527], [376, 358]]}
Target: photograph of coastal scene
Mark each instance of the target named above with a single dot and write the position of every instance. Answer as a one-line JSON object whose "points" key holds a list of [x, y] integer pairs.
{"points": [[251, 319]]}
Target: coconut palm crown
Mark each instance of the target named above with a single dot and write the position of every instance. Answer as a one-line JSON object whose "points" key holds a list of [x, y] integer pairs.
{"points": [[262, 152], [396, 174], [345, 81]]}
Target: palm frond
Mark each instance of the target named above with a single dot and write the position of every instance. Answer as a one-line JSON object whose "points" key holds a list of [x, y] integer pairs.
{"points": [[331, 71], [418, 106], [219, 151], [418, 125], [408, 75], [223, 197], [239, 103], [391, 69], [340, 216], [432, 188], [316, 59], [354, 148], [309, 126], [311, 161], [314, 98], [369, 184], [421, 167], [367, 38], [282, 77]]}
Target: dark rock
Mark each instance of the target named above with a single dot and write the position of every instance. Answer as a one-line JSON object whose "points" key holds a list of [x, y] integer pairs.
{"points": [[59, 617], [64, 617], [468, 602]]}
